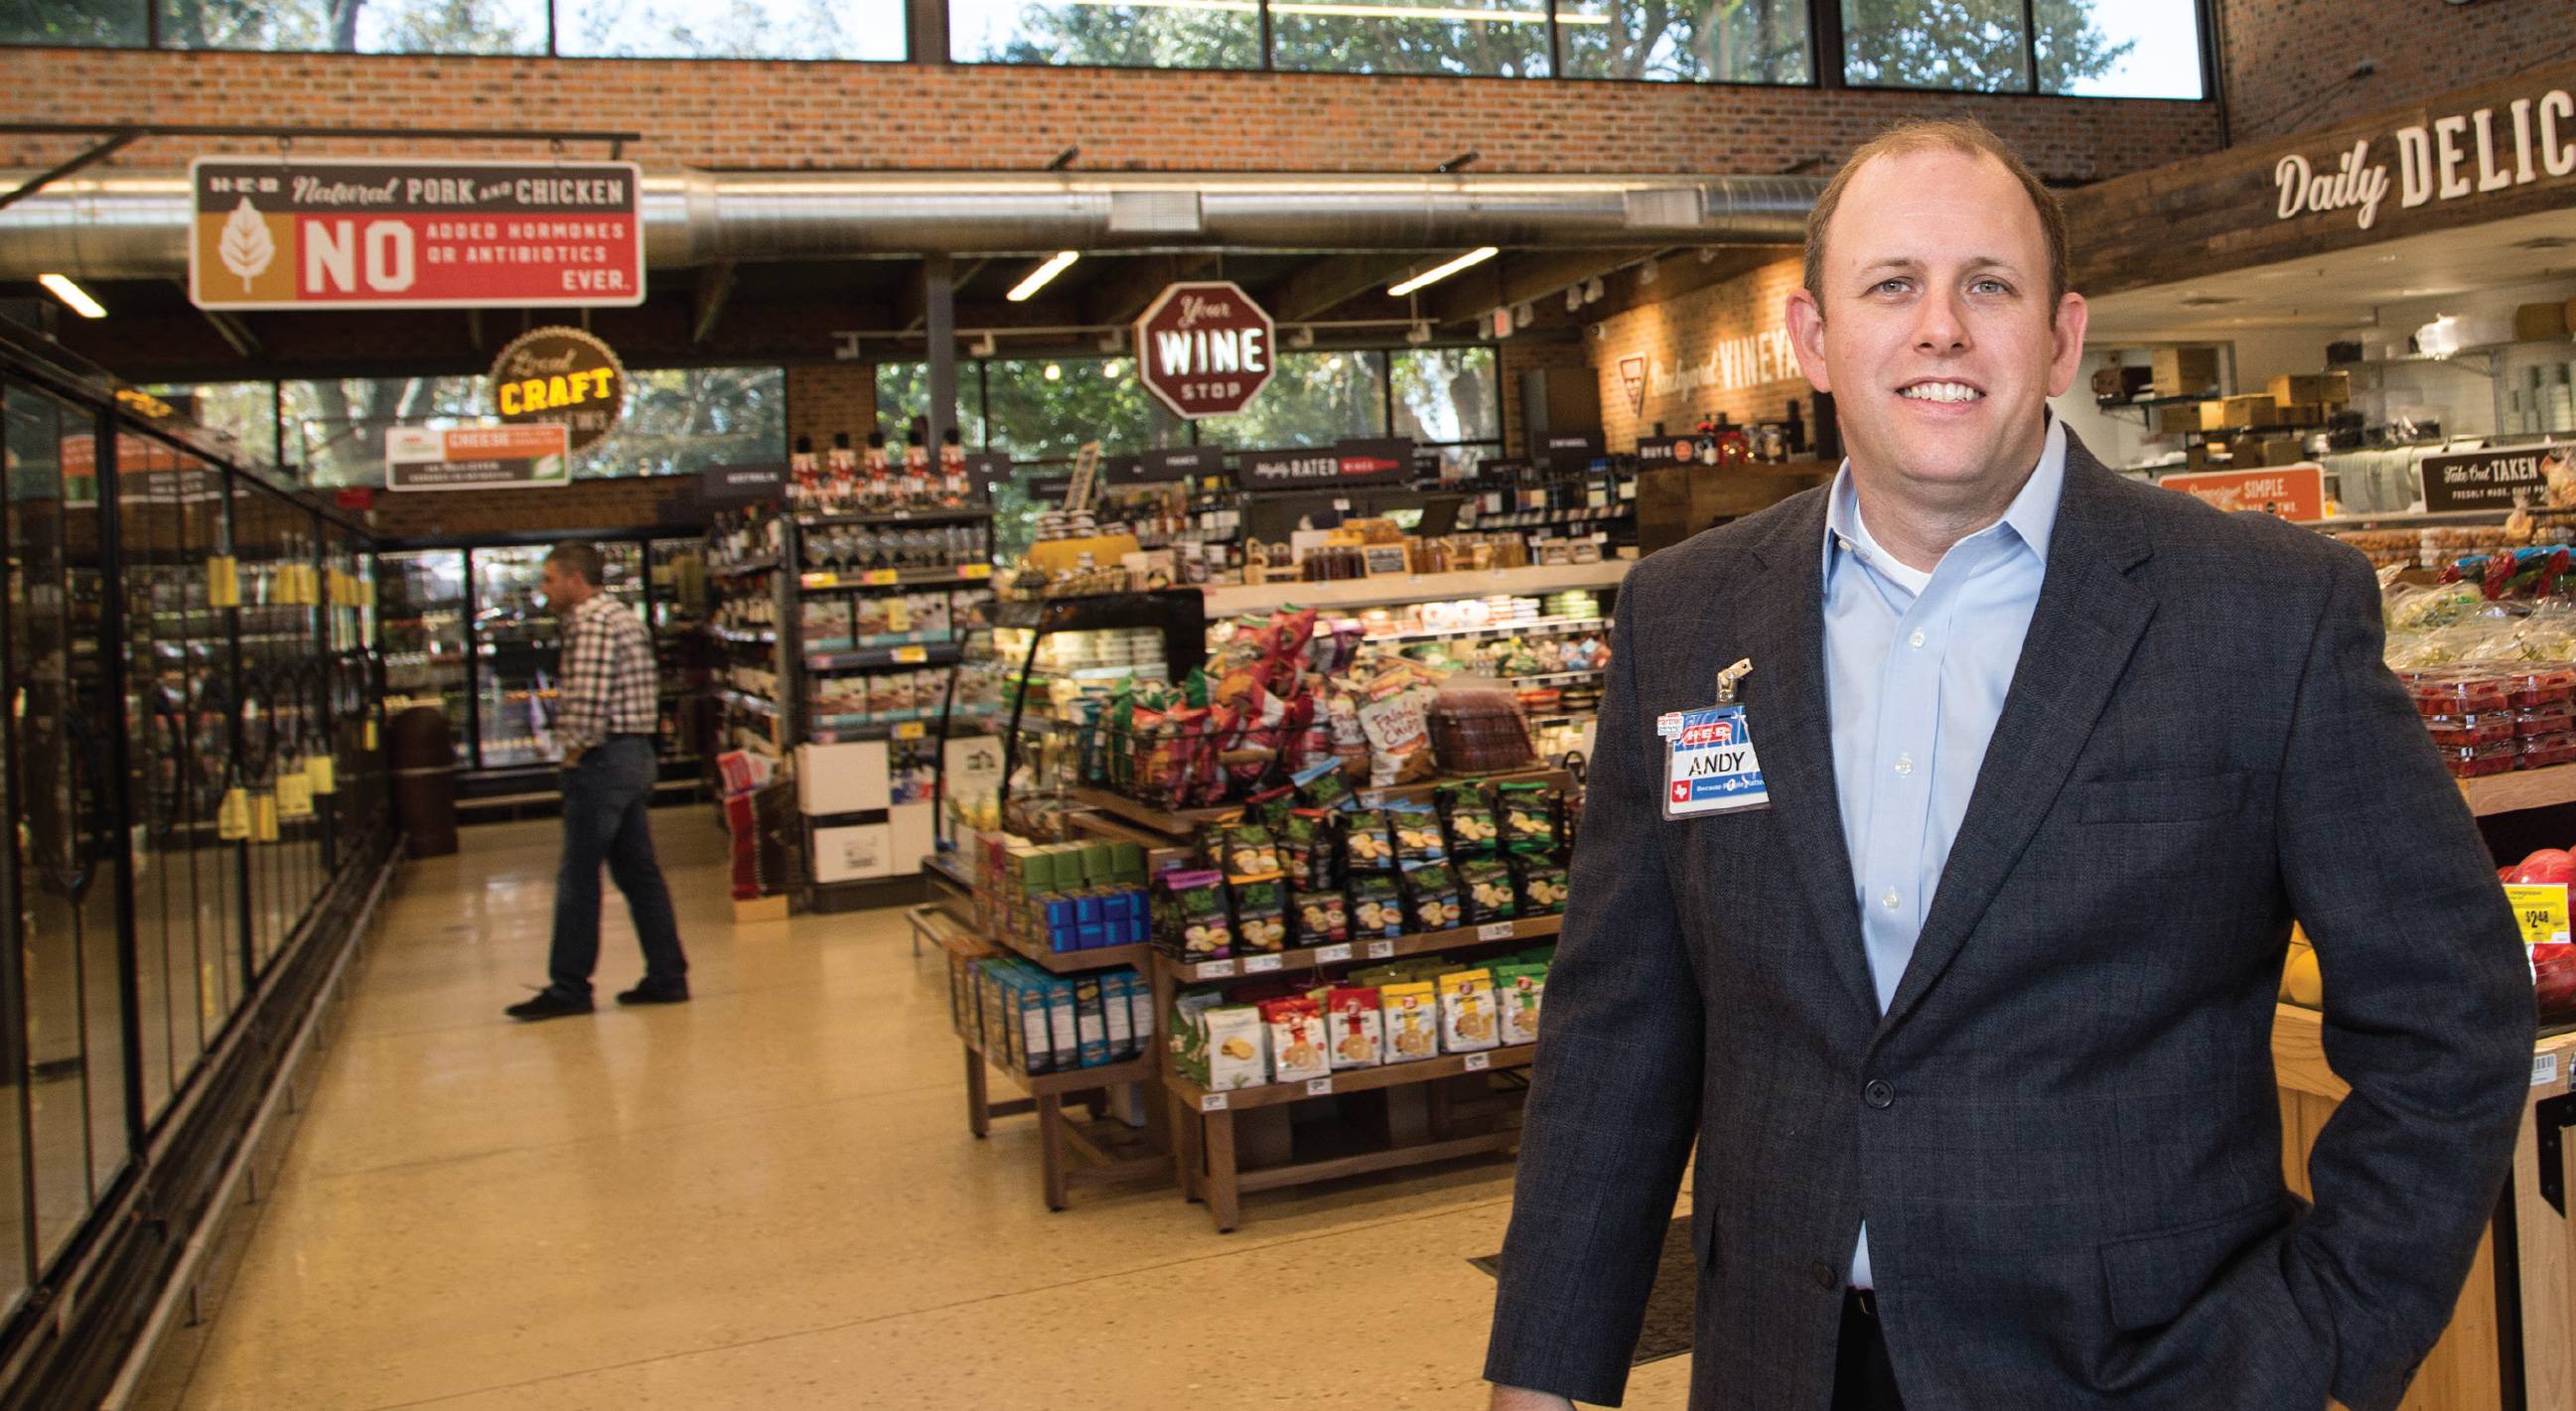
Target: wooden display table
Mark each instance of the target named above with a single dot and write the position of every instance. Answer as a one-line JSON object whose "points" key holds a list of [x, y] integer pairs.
{"points": [[2512, 1339]]}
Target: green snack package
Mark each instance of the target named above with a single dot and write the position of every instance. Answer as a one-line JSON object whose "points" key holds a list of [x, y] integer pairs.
{"points": [[1532, 818], [1417, 834], [1368, 843], [1261, 915], [1474, 830], [1377, 905], [1249, 853], [1541, 883], [1486, 885], [1431, 898]]}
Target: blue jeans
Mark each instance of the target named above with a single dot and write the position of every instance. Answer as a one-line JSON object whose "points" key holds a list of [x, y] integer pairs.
{"points": [[605, 798]]}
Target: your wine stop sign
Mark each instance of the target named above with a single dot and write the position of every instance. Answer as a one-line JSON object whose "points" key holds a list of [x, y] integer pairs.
{"points": [[1204, 348]]}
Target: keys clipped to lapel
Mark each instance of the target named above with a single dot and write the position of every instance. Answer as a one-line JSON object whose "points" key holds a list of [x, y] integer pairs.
{"points": [[1711, 765]]}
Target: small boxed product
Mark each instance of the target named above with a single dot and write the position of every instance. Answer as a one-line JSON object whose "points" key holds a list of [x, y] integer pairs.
{"points": [[1299, 1049], [1238, 1047], [1377, 905], [1467, 1018], [1118, 1013], [1517, 992], [826, 624], [1412, 1012], [1308, 848], [1356, 1027], [1190, 915], [2299, 389], [1533, 817], [1474, 831], [1091, 1020], [2230, 413], [1431, 897], [1261, 916], [1417, 834], [1248, 853], [2184, 372], [1542, 883], [1368, 841], [1485, 884], [1323, 918], [2460, 731], [867, 615], [2541, 751]]}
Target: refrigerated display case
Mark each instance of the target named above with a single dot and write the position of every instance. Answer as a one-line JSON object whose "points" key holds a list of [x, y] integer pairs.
{"points": [[424, 634]]}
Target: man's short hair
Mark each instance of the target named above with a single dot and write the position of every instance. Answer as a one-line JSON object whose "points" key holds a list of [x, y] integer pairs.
{"points": [[580, 559], [1965, 135]]}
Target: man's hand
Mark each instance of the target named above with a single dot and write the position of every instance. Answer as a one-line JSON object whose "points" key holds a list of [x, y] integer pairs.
{"points": [[1522, 1399]]}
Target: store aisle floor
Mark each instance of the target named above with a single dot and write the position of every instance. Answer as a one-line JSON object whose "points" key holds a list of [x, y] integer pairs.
{"points": [[768, 1198]]}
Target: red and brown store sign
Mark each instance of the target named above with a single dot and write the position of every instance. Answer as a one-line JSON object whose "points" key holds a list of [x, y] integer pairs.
{"points": [[374, 234], [1205, 348]]}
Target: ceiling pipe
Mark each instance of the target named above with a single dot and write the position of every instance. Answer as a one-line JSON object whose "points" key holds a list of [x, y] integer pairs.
{"points": [[134, 225]]}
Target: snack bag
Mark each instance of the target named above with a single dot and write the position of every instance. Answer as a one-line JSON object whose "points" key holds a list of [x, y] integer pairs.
{"points": [[1397, 724], [1190, 1054], [1238, 1047], [1412, 1021], [1261, 915], [1431, 898], [1486, 885], [1467, 1018], [1323, 917], [1474, 831], [1542, 885], [1249, 853], [1368, 841], [1307, 850], [1355, 1026], [1270, 807], [1517, 991], [1299, 1049], [1417, 834], [1533, 818], [1377, 906], [1190, 919], [1326, 786]]}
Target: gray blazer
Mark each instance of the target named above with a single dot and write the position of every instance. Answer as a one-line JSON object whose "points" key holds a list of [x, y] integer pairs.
{"points": [[2065, 1131]]}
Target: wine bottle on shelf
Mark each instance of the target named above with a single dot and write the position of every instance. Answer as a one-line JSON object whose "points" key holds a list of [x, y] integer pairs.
{"points": [[804, 495], [845, 469], [952, 469]]}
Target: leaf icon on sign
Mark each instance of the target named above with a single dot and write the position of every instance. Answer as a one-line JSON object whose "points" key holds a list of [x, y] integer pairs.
{"points": [[246, 247]]}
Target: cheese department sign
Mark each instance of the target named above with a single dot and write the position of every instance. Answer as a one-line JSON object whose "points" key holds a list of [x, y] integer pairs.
{"points": [[560, 375], [377, 234], [1204, 349]]}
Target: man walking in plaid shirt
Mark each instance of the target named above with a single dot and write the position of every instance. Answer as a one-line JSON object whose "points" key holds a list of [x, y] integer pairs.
{"points": [[604, 720]]}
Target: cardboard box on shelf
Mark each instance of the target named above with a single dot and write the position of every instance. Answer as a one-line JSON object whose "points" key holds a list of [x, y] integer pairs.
{"points": [[2185, 372], [2182, 419], [2293, 389], [2534, 322], [2284, 450], [2196, 457], [2229, 413]]}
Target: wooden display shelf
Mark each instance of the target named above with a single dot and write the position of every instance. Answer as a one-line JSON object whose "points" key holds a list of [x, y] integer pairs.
{"points": [[2521, 789], [1350, 1080], [1081, 962], [1534, 581], [1527, 928], [1067, 1156]]}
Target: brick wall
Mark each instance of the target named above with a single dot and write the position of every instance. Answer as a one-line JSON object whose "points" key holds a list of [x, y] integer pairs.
{"points": [[1680, 334], [828, 397], [614, 503], [1519, 355], [2281, 56], [776, 114]]}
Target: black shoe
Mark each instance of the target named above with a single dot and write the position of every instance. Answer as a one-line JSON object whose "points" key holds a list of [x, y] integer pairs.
{"points": [[648, 992], [546, 1004]]}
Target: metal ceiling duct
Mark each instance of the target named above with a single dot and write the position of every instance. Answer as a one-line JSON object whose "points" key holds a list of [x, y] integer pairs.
{"points": [[133, 225]]}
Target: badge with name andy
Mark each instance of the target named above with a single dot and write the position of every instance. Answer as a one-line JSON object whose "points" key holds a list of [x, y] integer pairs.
{"points": [[1713, 768]]}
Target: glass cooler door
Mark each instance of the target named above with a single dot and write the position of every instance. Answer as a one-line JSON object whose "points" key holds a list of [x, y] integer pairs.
{"points": [[421, 614]]}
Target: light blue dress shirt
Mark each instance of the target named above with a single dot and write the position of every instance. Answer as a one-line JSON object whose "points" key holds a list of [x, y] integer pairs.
{"points": [[1916, 668]]}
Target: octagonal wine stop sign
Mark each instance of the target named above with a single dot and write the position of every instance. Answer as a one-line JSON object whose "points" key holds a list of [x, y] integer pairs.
{"points": [[1204, 348]]}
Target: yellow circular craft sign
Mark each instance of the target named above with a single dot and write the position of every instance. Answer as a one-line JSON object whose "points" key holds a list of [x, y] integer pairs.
{"points": [[561, 375]]}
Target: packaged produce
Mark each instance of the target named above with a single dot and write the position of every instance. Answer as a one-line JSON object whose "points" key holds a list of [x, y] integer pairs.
{"points": [[1377, 905], [1238, 1047], [1298, 1047], [1485, 884], [1517, 992], [2541, 684], [1190, 916], [1368, 841], [1323, 918], [1474, 831], [2459, 691], [2463, 731], [2540, 751], [2550, 718], [1412, 1021], [2475, 761], [1356, 1027], [1467, 1018], [1249, 853], [1309, 848], [1431, 897], [1261, 916], [1417, 834], [2553, 970], [1533, 817], [1542, 885]]}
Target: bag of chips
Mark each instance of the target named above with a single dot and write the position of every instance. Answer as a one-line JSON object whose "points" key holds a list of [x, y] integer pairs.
{"points": [[1533, 818], [1377, 905], [1367, 842], [1417, 834], [1473, 829], [1431, 897], [1486, 885]]}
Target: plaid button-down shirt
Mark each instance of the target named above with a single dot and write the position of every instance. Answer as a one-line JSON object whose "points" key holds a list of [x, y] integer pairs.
{"points": [[610, 682]]}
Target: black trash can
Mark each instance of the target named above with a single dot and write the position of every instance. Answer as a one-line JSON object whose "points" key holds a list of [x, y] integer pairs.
{"points": [[424, 769]]}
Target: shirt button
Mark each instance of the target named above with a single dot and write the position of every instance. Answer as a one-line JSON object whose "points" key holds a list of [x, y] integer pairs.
{"points": [[1823, 1274], [1890, 900], [1846, 544], [1915, 641], [1904, 765], [1878, 1094]]}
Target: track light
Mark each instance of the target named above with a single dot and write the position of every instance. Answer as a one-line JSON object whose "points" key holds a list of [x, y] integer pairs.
{"points": [[1593, 289], [1437, 273], [982, 347], [1419, 333], [1037, 278], [1647, 272], [1573, 297], [1523, 314], [1303, 337], [61, 287]]}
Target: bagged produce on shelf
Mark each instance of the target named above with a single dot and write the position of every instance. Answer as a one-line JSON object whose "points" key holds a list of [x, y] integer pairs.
{"points": [[2553, 975]]}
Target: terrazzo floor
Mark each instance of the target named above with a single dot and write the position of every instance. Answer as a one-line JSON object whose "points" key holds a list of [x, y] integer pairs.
{"points": [[768, 1197]]}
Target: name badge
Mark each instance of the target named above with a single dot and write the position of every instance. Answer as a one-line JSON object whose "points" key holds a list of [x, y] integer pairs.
{"points": [[1713, 766]]}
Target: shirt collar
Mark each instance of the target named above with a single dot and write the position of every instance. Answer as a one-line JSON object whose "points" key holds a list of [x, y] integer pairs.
{"points": [[2032, 515]]}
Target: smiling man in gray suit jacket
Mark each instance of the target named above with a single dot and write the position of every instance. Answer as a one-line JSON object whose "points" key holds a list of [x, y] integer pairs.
{"points": [[1970, 1017]]}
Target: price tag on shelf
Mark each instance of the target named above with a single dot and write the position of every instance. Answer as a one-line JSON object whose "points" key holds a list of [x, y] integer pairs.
{"points": [[820, 580], [324, 773], [232, 816], [910, 730], [2544, 1069], [1479, 1062], [263, 817], [1328, 955], [880, 577], [2541, 909], [369, 734], [1381, 950], [911, 656], [1215, 969], [223, 582], [1319, 1087], [1213, 1102], [974, 570], [1260, 964], [1496, 931]]}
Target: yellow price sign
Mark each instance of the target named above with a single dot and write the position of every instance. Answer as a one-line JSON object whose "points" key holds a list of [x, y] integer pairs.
{"points": [[911, 656], [974, 570], [909, 730], [2540, 909], [324, 774], [369, 736], [880, 577], [223, 582], [294, 792], [232, 816], [263, 818]]}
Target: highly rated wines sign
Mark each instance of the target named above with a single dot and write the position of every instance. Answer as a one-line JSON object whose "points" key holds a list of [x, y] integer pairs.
{"points": [[1204, 349], [378, 234]]}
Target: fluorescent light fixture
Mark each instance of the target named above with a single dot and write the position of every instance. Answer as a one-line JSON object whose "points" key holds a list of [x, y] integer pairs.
{"points": [[61, 287], [1055, 264], [1437, 273], [1461, 13]]}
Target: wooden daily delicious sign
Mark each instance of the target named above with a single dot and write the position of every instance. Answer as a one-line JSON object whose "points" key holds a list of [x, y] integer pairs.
{"points": [[384, 234]]}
